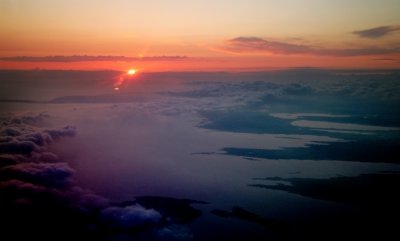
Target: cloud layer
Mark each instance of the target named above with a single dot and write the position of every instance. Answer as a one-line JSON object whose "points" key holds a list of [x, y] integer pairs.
{"points": [[153, 137]]}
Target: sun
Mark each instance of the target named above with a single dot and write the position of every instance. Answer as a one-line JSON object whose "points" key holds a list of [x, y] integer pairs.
{"points": [[132, 71]]}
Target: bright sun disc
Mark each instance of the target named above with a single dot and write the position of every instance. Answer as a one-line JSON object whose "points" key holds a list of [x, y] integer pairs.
{"points": [[131, 71]]}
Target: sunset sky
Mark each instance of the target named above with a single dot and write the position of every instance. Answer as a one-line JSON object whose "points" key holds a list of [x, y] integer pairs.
{"points": [[181, 35]]}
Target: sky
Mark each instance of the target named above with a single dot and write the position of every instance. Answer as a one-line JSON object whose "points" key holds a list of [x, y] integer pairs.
{"points": [[179, 35]]}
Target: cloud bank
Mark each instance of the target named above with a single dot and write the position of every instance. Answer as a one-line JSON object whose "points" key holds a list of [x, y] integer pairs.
{"points": [[35, 184], [260, 45]]}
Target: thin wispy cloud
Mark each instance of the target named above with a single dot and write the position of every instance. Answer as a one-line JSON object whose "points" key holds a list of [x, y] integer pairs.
{"points": [[378, 32], [89, 58], [249, 44], [260, 45], [386, 59]]}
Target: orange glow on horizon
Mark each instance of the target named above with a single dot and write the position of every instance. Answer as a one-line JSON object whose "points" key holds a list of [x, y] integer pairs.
{"points": [[235, 35], [122, 79], [230, 63], [132, 71]]}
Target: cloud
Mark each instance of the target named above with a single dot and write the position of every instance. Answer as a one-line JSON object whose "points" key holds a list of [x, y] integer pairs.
{"points": [[260, 45], [355, 51], [85, 58], [45, 174], [297, 89], [175, 232], [18, 147], [8, 159], [378, 32], [251, 44], [34, 182], [65, 131], [20, 135], [129, 217], [386, 59], [136, 159]]}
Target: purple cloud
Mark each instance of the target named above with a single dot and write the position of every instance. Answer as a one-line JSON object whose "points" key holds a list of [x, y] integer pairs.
{"points": [[65, 131], [21, 139], [45, 174], [35, 183], [378, 32], [18, 147], [260, 45], [84, 58]]}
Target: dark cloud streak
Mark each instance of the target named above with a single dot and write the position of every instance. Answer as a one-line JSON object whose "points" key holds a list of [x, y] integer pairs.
{"points": [[89, 58], [250, 44], [378, 32], [260, 45]]}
